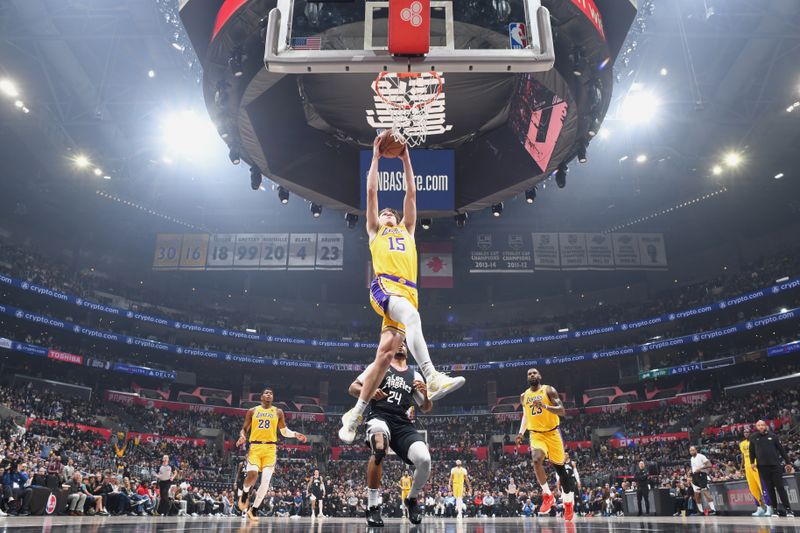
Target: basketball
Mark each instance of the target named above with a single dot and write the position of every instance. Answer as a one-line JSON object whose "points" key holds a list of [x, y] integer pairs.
{"points": [[391, 147]]}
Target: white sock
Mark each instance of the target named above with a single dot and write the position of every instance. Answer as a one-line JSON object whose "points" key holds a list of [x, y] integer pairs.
{"points": [[568, 497], [546, 488], [712, 505], [401, 310], [245, 488], [361, 406], [263, 488], [700, 507], [373, 497]]}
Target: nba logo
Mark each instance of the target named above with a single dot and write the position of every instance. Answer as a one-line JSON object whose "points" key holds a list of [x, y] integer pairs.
{"points": [[518, 35]]}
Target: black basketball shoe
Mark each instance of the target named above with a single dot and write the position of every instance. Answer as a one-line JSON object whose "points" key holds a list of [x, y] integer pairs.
{"points": [[374, 517], [414, 510]]}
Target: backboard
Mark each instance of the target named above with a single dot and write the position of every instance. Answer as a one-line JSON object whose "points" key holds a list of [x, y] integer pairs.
{"points": [[352, 36]]}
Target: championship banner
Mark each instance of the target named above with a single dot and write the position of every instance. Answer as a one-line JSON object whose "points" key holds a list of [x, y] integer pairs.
{"points": [[626, 250], [652, 252], [302, 251], [436, 265], [434, 179], [546, 254], [572, 247], [599, 251], [501, 253], [329, 251]]}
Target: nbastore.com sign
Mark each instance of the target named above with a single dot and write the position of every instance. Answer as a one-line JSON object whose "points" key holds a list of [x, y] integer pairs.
{"points": [[434, 179]]}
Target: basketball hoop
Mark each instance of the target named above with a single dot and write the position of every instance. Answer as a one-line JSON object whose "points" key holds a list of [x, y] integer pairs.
{"points": [[409, 96]]}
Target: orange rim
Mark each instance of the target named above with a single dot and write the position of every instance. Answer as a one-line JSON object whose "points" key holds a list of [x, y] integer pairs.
{"points": [[409, 75]]}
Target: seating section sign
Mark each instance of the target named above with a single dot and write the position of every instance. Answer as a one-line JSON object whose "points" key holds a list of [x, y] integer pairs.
{"points": [[249, 251], [521, 252]]}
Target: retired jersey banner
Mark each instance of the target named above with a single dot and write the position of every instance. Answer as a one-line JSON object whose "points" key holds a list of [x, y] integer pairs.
{"points": [[500, 252], [436, 265], [249, 251]]}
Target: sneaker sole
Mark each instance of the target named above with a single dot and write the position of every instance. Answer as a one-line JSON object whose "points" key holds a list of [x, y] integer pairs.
{"points": [[344, 435], [451, 387]]}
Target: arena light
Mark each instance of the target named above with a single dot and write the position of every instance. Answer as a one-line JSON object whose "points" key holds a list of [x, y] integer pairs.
{"points": [[716, 170], [582, 152], [316, 210], [561, 175], [782, 280], [188, 134], [234, 155], [641, 158], [530, 195], [236, 62], [640, 107], [98, 172], [151, 73], [497, 209], [81, 161], [604, 133], [783, 310], [779, 175], [663, 71], [563, 330], [255, 179], [461, 219], [283, 195], [250, 330], [8, 88], [732, 159], [351, 219], [426, 223]]}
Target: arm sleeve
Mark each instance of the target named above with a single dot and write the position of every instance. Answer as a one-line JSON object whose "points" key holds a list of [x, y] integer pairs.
{"points": [[522, 426], [576, 475]]}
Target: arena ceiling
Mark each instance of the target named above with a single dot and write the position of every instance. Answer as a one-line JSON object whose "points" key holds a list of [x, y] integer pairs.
{"points": [[82, 70]]}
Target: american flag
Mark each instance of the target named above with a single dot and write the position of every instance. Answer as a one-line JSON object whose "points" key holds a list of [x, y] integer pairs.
{"points": [[306, 43]]}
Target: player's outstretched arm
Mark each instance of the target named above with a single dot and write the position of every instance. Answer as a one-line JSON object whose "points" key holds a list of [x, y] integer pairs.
{"points": [[410, 200], [248, 421], [286, 432], [522, 427], [372, 187]]}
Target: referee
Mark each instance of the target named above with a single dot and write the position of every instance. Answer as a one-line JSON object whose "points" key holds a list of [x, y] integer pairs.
{"points": [[766, 453]]}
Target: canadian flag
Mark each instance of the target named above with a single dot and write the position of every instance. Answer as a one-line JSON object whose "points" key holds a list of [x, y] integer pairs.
{"points": [[436, 265]]}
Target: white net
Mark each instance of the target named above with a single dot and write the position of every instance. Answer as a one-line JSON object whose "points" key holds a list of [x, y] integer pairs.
{"points": [[409, 97]]}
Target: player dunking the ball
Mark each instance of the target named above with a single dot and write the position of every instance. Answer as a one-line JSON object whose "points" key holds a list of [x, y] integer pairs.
{"points": [[261, 425], [541, 411], [393, 293]]}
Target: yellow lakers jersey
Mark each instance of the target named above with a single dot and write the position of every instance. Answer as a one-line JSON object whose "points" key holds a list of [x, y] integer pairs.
{"points": [[537, 417], [394, 252], [264, 425], [459, 474], [744, 447], [405, 483]]}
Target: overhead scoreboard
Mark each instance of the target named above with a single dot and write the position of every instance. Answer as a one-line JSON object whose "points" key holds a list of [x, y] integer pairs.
{"points": [[249, 251]]}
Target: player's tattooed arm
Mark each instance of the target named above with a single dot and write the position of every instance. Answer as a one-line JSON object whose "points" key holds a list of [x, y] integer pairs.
{"points": [[427, 404], [557, 408], [355, 391], [522, 428]]}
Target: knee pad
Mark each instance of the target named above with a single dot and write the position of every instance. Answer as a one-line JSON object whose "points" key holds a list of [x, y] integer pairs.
{"points": [[378, 443]]}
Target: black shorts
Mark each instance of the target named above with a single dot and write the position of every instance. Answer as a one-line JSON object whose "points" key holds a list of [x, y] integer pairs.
{"points": [[316, 493], [700, 480], [401, 434]]}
